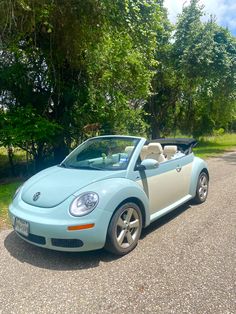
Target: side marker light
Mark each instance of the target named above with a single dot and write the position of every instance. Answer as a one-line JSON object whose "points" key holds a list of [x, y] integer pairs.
{"points": [[80, 227]]}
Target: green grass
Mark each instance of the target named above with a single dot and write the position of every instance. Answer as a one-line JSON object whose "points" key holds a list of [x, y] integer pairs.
{"points": [[215, 145], [18, 159], [6, 193], [19, 155]]}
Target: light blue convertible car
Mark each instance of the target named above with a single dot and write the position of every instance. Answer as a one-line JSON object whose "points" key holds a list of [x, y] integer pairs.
{"points": [[106, 191]]}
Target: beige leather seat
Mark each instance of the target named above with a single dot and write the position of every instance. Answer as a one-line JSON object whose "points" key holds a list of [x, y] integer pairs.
{"points": [[129, 149], [155, 151], [170, 151], [144, 152]]}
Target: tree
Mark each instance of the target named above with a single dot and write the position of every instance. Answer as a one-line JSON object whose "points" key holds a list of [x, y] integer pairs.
{"points": [[162, 101], [205, 61], [193, 89], [24, 128], [92, 59]]}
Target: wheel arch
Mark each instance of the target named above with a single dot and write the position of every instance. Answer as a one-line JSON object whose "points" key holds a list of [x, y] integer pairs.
{"points": [[139, 203], [114, 192], [199, 166], [206, 171]]}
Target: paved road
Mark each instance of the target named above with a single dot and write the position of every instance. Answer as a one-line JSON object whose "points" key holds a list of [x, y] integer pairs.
{"points": [[184, 263]]}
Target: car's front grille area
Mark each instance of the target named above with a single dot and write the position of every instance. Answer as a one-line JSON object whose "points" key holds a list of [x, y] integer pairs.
{"points": [[66, 243], [34, 238], [70, 243]]}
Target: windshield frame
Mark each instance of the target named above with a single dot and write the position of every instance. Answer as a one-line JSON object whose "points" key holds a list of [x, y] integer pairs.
{"points": [[105, 137]]}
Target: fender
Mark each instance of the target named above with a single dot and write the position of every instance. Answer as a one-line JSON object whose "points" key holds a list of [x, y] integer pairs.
{"points": [[198, 166], [112, 192]]}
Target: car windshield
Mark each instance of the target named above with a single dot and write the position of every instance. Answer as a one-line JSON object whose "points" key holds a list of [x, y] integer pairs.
{"points": [[108, 153]]}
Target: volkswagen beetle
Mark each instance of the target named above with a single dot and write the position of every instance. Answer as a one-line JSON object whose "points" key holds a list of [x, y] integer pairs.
{"points": [[106, 191]]}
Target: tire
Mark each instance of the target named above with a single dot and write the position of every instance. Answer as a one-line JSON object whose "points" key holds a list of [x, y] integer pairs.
{"points": [[202, 188], [124, 229]]}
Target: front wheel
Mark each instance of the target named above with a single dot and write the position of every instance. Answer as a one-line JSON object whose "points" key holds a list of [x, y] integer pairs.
{"points": [[124, 229], [202, 188]]}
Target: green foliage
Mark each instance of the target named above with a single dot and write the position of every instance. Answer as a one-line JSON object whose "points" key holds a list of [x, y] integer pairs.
{"points": [[193, 89], [220, 131], [23, 127], [205, 59], [117, 65], [211, 146], [77, 63], [161, 103], [7, 191]]}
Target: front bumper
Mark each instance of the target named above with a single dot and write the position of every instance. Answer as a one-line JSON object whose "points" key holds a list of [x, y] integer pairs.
{"points": [[48, 227]]}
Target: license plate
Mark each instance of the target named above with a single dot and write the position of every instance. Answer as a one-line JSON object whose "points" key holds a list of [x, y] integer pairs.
{"points": [[21, 226]]}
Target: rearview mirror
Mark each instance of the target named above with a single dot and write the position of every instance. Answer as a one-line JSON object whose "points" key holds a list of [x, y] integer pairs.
{"points": [[148, 164]]}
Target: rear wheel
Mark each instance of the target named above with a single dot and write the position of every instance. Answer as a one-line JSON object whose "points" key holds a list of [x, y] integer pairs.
{"points": [[202, 188], [124, 229]]}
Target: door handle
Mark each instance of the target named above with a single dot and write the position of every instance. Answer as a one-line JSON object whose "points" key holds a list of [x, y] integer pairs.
{"points": [[178, 168]]}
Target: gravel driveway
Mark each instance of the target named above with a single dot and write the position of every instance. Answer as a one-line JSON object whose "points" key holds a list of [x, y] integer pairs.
{"points": [[184, 263]]}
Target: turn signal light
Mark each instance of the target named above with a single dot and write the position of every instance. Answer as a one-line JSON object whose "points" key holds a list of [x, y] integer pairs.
{"points": [[80, 227]]}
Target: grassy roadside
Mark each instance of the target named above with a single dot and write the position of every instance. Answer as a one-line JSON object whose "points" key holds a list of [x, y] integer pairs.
{"points": [[213, 146], [6, 193], [207, 147]]}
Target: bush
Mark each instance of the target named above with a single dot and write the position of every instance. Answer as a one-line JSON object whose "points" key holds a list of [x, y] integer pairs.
{"points": [[219, 132]]}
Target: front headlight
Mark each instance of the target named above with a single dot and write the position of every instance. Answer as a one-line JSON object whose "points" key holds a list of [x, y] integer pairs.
{"points": [[84, 204]]}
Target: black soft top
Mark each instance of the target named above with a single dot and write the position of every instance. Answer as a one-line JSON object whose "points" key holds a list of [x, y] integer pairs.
{"points": [[184, 144]]}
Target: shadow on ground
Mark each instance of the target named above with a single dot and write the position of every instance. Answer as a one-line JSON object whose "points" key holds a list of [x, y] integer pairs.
{"points": [[165, 219], [54, 260], [64, 261], [230, 158]]}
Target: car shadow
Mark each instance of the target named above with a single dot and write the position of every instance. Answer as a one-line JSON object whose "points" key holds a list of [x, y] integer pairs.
{"points": [[64, 261], [54, 260], [165, 219]]}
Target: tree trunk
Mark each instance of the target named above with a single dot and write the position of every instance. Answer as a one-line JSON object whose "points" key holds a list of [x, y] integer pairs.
{"points": [[155, 128], [39, 159], [10, 158]]}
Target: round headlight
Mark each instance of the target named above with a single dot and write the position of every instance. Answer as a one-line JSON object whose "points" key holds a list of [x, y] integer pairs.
{"points": [[84, 204]]}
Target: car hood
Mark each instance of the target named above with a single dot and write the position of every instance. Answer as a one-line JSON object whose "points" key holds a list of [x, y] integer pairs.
{"points": [[52, 186]]}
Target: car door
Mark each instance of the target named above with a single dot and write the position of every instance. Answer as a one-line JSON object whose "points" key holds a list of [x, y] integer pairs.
{"points": [[167, 184]]}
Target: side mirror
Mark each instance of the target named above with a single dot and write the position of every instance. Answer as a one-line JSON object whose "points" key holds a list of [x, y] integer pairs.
{"points": [[148, 164]]}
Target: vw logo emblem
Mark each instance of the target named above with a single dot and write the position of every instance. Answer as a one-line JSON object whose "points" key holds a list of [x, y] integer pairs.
{"points": [[36, 196]]}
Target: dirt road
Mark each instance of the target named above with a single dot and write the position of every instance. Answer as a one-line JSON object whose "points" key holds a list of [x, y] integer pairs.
{"points": [[184, 263]]}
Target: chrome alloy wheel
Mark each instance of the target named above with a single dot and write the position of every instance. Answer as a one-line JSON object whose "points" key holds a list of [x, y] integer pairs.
{"points": [[127, 227], [203, 187]]}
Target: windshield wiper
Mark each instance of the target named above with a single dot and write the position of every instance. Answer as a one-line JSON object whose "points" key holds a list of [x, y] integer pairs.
{"points": [[63, 165], [85, 167]]}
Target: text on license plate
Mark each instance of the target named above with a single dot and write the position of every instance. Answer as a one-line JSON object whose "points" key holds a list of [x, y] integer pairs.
{"points": [[21, 226]]}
